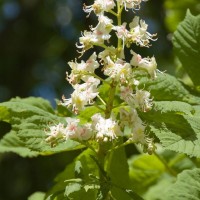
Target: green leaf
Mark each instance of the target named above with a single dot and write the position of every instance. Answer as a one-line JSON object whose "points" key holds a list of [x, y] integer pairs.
{"points": [[37, 102], [171, 114], [104, 91], [119, 174], [188, 144], [176, 126], [29, 119], [144, 171], [186, 43], [158, 190], [87, 113], [167, 88], [69, 175], [37, 196], [187, 186], [12, 143]]}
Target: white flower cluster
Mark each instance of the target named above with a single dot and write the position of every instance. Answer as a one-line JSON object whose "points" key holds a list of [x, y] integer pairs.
{"points": [[121, 76]]}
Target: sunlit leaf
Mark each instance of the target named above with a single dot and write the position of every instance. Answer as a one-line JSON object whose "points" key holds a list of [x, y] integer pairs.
{"points": [[167, 88], [30, 119], [186, 42]]}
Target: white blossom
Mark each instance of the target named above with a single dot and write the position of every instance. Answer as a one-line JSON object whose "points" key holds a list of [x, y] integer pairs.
{"points": [[80, 69], [70, 130], [99, 7], [55, 133], [122, 32], [131, 119], [109, 51], [148, 64], [76, 131], [126, 93], [106, 129], [142, 100], [131, 4], [87, 40], [103, 28], [139, 34], [83, 94], [119, 70]]}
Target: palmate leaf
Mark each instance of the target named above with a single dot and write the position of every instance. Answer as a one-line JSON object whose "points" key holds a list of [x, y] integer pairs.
{"points": [[186, 43], [187, 186], [29, 119], [177, 126]]}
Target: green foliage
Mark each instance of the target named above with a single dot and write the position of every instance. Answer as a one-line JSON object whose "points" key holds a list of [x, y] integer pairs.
{"points": [[12, 143], [120, 181], [158, 191], [77, 181], [86, 114], [176, 126], [29, 118], [187, 186], [186, 42], [144, 171], [167, 88]]}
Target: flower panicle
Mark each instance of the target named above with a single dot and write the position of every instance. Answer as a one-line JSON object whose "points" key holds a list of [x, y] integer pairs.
{"points": [[108, 125]]}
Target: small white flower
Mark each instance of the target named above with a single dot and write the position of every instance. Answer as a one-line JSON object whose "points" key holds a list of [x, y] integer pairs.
{"points": [[119, 70], [76, 131], [110, 51], [80, 69], [148, 64], [126, 93], [71, 128], [131, 4], [83, 94], [122, 32], [85, 132], [138, 133], [142, 100], [87, 40], [106, 129], [99, 6], [103, 28], [55, 133], [131, 119], [138, 33], [89, 66]]}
